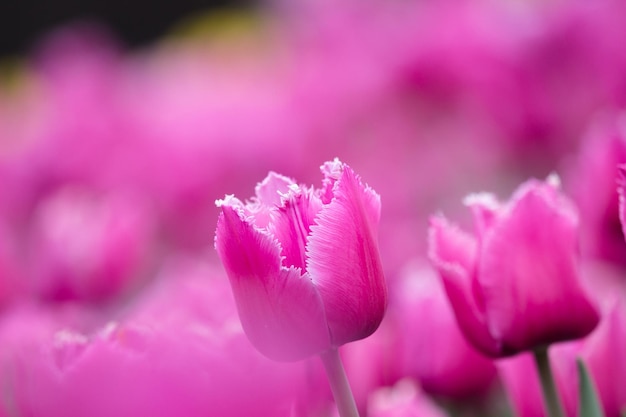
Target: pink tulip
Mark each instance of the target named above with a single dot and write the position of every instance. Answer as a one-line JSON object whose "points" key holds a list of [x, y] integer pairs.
{"points": [[521, 382], [178, 351], [603, 352], [11, 274], [592, 182], [370, 364], [303, 263], [89, 246], [514, 285], [434, 351]]}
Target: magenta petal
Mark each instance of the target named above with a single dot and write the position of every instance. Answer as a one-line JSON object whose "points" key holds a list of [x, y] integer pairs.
{"points": [[485, 209], [529, 272], [291, 225], [280, 309], [344, 262], [453, 254], [268, 195], [270, 190], [450, 247], [621, 190]]}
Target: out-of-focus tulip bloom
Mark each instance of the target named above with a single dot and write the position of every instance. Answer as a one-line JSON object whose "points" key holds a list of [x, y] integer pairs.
{"points": [[434, 351], [521, 382], [603, 352], [514, 285], [591, 180], [179, 350], [403, 400], [303, 263], [370, 364], [88, 246], [11, 274]]}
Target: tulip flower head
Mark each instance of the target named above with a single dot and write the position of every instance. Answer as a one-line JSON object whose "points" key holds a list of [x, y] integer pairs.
{"points": [[514, 285], [303, 263]]}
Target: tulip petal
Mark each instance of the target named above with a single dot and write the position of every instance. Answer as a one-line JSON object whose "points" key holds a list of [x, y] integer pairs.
{"points": [[621, 191], [269, 191], [280, 309], [485, 209], [529, 274], [344, 262], [453, 254], [268, 195], [291, 224]]}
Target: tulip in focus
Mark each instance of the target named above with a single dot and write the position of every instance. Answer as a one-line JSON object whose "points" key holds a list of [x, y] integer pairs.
{"points": [[303, 263], [305, 270], [514, 285]]}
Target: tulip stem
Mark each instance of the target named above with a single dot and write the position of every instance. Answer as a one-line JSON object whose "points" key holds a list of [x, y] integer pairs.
{"points": [[548, 386], [339, 384]]}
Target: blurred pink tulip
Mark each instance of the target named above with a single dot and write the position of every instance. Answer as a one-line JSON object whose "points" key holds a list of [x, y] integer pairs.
{"points": [[514, 285], [303, 263], [371, 363], [12, 276], [603, 352], [431, 347], [178, 351], [89, 246], [520, 379], [591, 179]]}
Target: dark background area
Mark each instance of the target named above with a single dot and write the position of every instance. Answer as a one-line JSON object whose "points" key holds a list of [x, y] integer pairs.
{"points": [[134, 22]]}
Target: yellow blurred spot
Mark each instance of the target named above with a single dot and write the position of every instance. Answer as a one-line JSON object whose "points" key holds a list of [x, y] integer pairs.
{"points": [[229, 25], [12, 73]]}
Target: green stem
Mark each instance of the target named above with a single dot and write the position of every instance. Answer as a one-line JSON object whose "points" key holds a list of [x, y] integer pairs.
{"points": [[339, 383], [548, 386]]}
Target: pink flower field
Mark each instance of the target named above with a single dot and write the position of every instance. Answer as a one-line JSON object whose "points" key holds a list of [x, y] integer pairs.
{"points": [[319, 209]]}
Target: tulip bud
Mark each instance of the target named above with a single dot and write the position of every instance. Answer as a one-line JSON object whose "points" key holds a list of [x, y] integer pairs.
{"points": [[303, 263], [514, 285]]}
